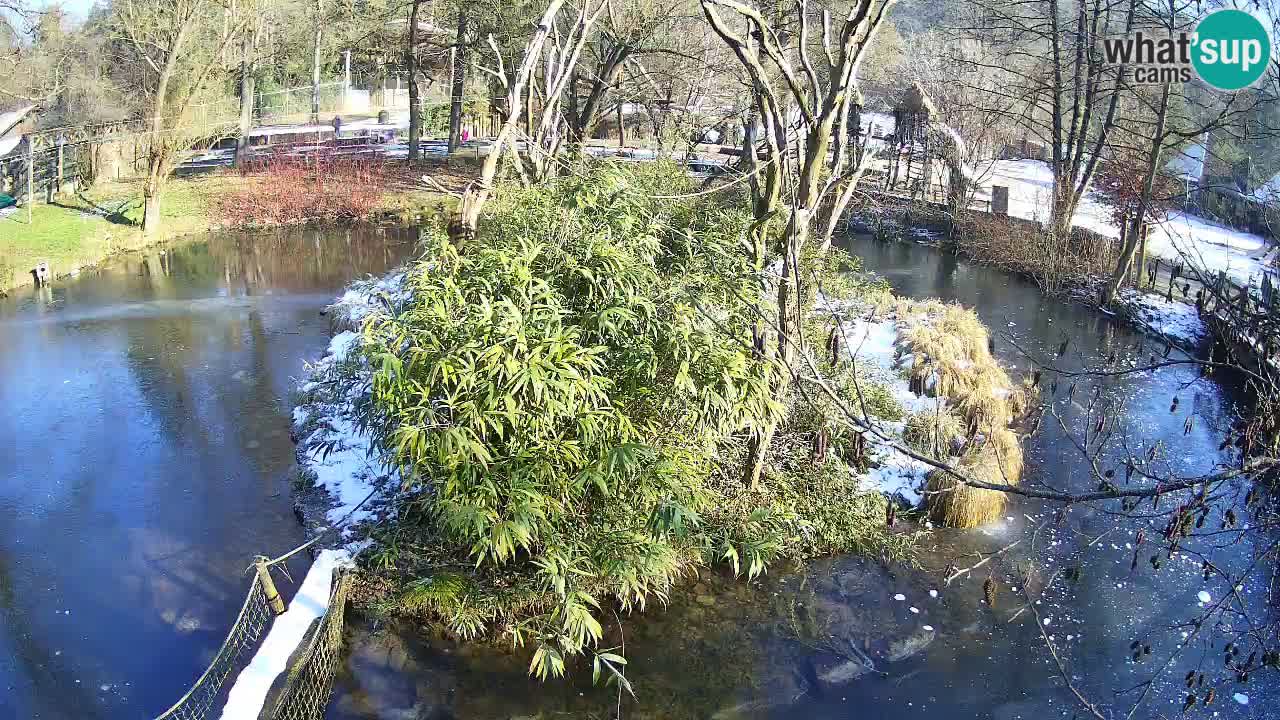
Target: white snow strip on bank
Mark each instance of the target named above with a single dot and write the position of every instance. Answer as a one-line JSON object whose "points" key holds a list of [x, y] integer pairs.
{"points": [[1174, 320], [249, 692], [872, 345]]}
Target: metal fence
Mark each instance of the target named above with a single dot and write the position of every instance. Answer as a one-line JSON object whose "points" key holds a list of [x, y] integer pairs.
{"points": [[281, 106]]}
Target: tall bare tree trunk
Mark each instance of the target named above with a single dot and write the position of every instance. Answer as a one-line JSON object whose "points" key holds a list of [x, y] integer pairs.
{"points": [[459, 82], [315, 64], [1133, 233], [152, 190], [462, 228], [247, 67], [411, 61]]}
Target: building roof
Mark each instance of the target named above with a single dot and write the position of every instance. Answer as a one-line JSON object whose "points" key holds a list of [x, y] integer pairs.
{"points": [[9, 120], [1188, 164]]}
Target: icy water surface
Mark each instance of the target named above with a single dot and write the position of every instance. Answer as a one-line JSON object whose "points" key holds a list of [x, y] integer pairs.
{"points": [[144, 441], [727, 649]]}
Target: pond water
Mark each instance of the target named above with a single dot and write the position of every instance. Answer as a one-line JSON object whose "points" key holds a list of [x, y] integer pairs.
{"points": [[147, 459], [776, 647]]}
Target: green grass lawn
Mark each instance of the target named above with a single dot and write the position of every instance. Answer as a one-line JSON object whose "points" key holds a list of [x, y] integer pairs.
{"points": [[83, 229]]}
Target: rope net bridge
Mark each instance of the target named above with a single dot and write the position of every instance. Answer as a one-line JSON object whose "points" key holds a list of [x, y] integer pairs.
{"points": [[308, 677]]}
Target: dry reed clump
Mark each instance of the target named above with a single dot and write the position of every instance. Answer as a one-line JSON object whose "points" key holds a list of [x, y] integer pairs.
{"points": [[997, 461], [952, 360], [937, 434], [1024, 247]]}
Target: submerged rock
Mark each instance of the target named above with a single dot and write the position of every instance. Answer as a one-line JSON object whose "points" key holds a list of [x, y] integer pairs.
{"points": [[912, 644], [829, 671]]}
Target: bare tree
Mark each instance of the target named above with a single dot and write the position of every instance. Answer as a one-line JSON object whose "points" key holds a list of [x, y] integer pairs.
{"points": [[162, 40], [462, 227], [411, 64], [458, 82], [1051, 76], [815, 182]]}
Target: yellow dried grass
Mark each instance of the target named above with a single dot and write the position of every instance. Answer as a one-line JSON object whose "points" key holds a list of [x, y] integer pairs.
{"points": [[953, 361]]}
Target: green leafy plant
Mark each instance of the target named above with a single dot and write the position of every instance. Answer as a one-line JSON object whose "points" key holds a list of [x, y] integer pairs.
{"points": [[562, 388]]}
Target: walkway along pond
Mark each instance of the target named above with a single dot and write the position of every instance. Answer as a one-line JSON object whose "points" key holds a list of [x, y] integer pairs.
{"points": [[779, 647], [147, 459]]}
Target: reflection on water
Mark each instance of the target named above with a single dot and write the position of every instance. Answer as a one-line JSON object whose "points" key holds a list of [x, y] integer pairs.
{"points": [[731, 649], [147, 457]]}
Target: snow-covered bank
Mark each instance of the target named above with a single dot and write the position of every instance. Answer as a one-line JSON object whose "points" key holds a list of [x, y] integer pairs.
{"points": [[335, 454], [1204, 244], [872, 345], [1175, 321]]}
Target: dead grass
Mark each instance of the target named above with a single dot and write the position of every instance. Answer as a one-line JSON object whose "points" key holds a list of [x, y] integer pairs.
{"points": [[952, 360], [997, 462], [1028, 249]]}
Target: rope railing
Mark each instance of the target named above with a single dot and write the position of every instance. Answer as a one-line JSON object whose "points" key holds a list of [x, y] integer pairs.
{"points": [[310, 680], [201, 700]]}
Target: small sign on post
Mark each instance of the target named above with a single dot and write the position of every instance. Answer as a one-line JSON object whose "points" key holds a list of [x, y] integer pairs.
{"points": [[1000, 200]]}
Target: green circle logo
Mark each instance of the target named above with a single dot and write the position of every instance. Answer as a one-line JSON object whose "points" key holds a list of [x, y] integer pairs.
{"points": [[1232, 49]]}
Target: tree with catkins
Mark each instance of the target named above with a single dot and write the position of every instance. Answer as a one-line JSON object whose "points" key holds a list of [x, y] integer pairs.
{"points": [[813, 161]]}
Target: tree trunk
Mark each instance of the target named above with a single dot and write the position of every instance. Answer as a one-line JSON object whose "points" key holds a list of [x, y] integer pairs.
{"points": [[315, 66], [152, 189], [1134, 231], [606, 77], [462, 228], [411, 61], [246, 101], [458, 83], [622, 126]]}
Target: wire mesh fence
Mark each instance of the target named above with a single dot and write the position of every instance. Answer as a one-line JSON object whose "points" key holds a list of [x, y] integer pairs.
{"points": [[294, 103], [204, 697], [310, 680]]}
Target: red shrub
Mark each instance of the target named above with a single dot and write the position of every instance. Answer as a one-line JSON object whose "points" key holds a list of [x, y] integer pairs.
{"points": [[290, 187]]}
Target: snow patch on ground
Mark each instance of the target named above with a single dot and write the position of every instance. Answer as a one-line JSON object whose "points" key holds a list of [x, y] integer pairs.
{"points": [[333, 449], [1202, 243], [1175, 321], [364, 298], [873, 345]]}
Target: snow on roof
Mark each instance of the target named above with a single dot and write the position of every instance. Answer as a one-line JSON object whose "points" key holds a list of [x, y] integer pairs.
{"points": [[1269, 191], [10, 120], [1188, 164], [7, 144]]}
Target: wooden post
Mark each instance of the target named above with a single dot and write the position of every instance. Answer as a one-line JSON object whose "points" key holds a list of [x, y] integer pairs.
{"points": [[1142, 250], [62, 141], [274, 601], [31, 177], [622, 126]]}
